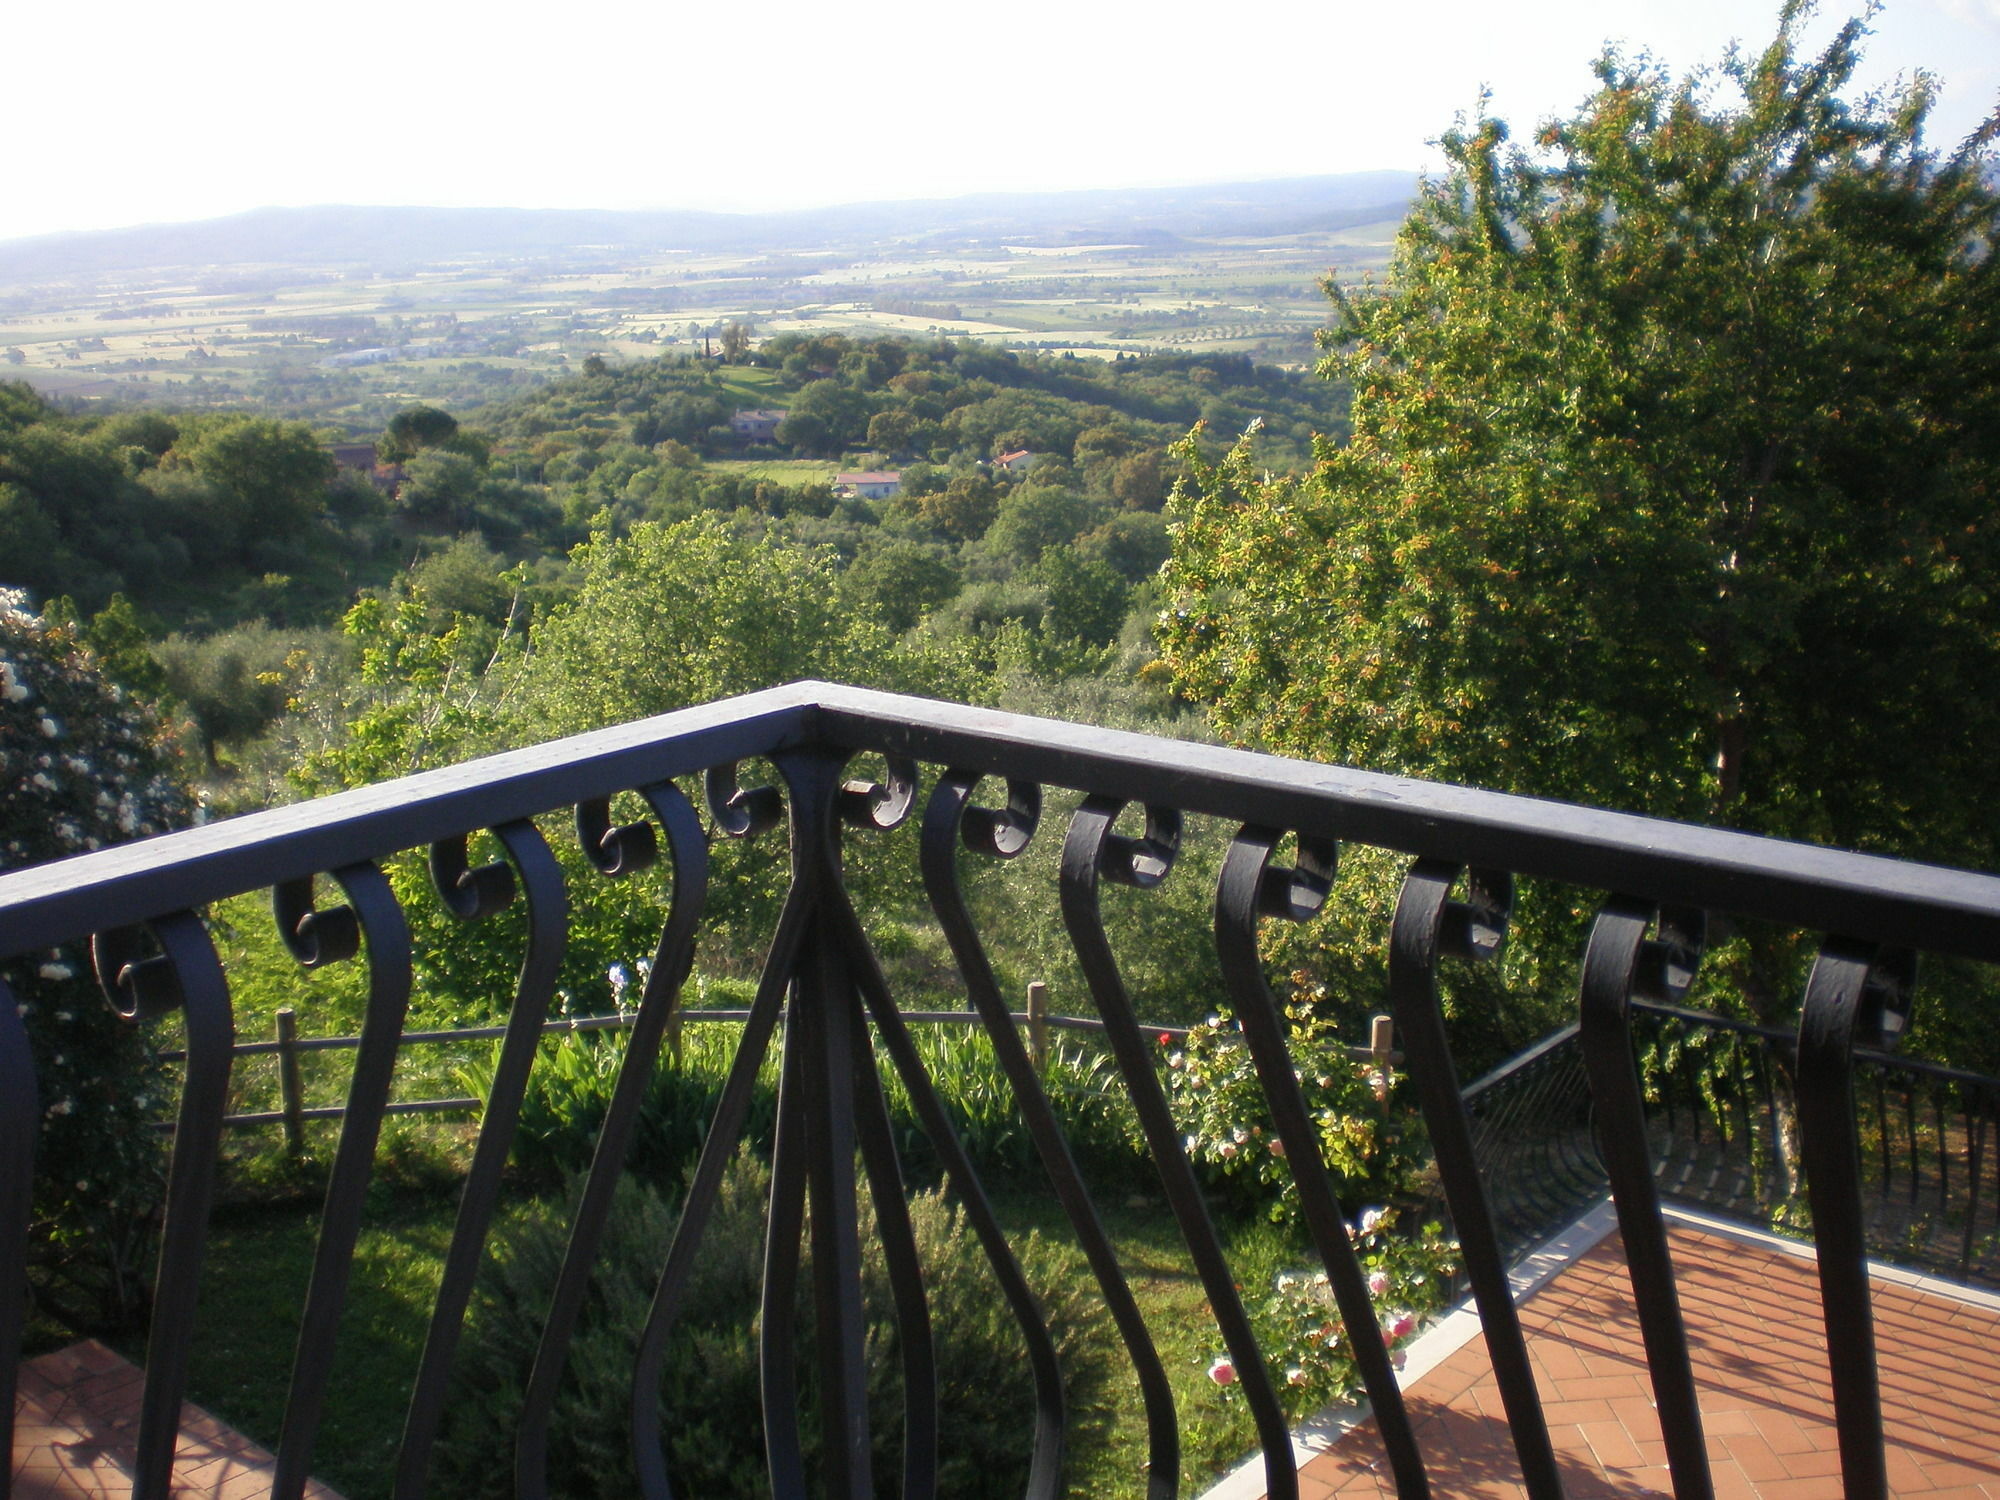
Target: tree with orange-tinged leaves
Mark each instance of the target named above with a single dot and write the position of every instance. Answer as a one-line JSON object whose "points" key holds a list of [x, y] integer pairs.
{"points": [[1676, 437]]}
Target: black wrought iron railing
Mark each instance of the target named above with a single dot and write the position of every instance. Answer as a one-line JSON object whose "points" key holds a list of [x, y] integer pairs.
{"points": [[140, 906], [1721, 1124]]}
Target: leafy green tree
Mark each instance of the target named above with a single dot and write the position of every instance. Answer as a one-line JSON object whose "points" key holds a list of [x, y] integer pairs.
{"points": [[963, 509], [1672, 476], [1034, 518], [267, 479], [669, 616], [467, 578], [118, 638], [899, 582], [440, 486], [1087, 598], [232, 684], [412, 429]]}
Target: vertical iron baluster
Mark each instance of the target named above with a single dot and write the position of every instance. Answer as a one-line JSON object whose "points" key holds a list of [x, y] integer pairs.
{"points": [[1938, 1091], [473, 895], [823, 1017], [1852, 988], [1045, 1470], [718, 1146], [317, 938], [1697, 1104], [821, 1123], [20, 1125], [879, 807], [778, 1360], [1092, 851], [876, 1136], [949, 819], [1910, 1131], [1767, 1076], [1429, 925], [613, 851], [1975, 1142], [1620, 963], [185, 976], [1250, 888]]}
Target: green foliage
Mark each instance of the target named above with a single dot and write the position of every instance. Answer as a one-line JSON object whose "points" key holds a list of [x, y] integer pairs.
{"points": [[710, 1404], [679, 614], [265, 478], [232, 684], [899, 582], [1087, 598], [82, 767], [1671, 484], [1301, 1330], [1367, 1142], [413, 429], [198, 521], [569, 1093]]}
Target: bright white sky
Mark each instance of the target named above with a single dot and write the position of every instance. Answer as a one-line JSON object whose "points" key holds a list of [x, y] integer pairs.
{"points": [[134, 111]]}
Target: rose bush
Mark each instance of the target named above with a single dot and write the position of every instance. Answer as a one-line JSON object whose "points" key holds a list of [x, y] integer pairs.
{"points": [[1373, 1149]]}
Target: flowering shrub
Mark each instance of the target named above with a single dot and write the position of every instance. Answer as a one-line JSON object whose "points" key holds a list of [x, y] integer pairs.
{"points": [[1304, 1337], [81, 767], [1219, 1105]]}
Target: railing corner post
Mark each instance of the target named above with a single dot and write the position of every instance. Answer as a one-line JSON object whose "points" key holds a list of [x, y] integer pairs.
{"points": [[1038, 1025]]}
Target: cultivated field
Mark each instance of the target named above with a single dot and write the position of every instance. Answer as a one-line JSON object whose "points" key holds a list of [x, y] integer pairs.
{"points": [[348, 346]]}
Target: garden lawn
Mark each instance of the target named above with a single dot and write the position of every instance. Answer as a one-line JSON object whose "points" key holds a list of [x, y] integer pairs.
{"points": [[259, 1261]]}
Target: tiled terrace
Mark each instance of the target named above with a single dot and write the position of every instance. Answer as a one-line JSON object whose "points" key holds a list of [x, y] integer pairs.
{"points": [[1753, 1317], [76, 1420]]}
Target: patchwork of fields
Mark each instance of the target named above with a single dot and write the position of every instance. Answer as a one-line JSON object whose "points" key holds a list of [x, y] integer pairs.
{"points": [[347, 345]]}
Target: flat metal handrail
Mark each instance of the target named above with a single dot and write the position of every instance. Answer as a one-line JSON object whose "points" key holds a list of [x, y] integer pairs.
{"points": [[843, 1032], [1931, 907]]}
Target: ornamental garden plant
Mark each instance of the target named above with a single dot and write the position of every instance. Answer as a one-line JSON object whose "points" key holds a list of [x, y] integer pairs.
{"points": [[83, 766]]}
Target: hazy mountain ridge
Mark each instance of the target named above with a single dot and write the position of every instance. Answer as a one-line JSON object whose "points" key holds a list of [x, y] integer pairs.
{"points": [[337, 235]]}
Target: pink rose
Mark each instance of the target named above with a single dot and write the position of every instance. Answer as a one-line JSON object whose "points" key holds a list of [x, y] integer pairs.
{"points": [[1223, 1371], [1378, 1283]]}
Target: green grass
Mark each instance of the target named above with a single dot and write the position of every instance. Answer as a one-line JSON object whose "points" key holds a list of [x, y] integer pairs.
{"points": [[253, 1287], [755, 386], [791, 471], [259, 1261]]}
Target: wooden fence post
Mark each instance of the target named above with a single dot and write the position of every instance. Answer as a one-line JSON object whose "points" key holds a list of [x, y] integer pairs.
{"points": [[1381, 1043], [1038, 1025], [288, 1080]]}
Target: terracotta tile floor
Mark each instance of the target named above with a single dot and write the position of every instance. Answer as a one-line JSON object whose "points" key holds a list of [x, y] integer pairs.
{"points": [[1759, 1350], [76, 1419]]}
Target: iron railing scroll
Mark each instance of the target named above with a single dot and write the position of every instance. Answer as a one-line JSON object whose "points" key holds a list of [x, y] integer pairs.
{"points": [[825, 1003]]}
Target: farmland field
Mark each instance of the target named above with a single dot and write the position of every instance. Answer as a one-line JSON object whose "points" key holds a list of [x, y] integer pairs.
{"points": [[346, 344]]}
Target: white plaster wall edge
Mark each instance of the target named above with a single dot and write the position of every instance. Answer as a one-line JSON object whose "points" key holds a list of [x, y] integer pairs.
{"points": [[1878, 1270]]}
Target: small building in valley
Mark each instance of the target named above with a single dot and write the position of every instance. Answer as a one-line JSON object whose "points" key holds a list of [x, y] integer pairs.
{"points": [[758, 426], [872, 485]]}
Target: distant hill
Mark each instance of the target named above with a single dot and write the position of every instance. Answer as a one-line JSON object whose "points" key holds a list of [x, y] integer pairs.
{"points": [[349, 236]]}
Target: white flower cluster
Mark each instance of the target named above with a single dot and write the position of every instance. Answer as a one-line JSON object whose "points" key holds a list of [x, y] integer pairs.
{"points": [[13, 689]]}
